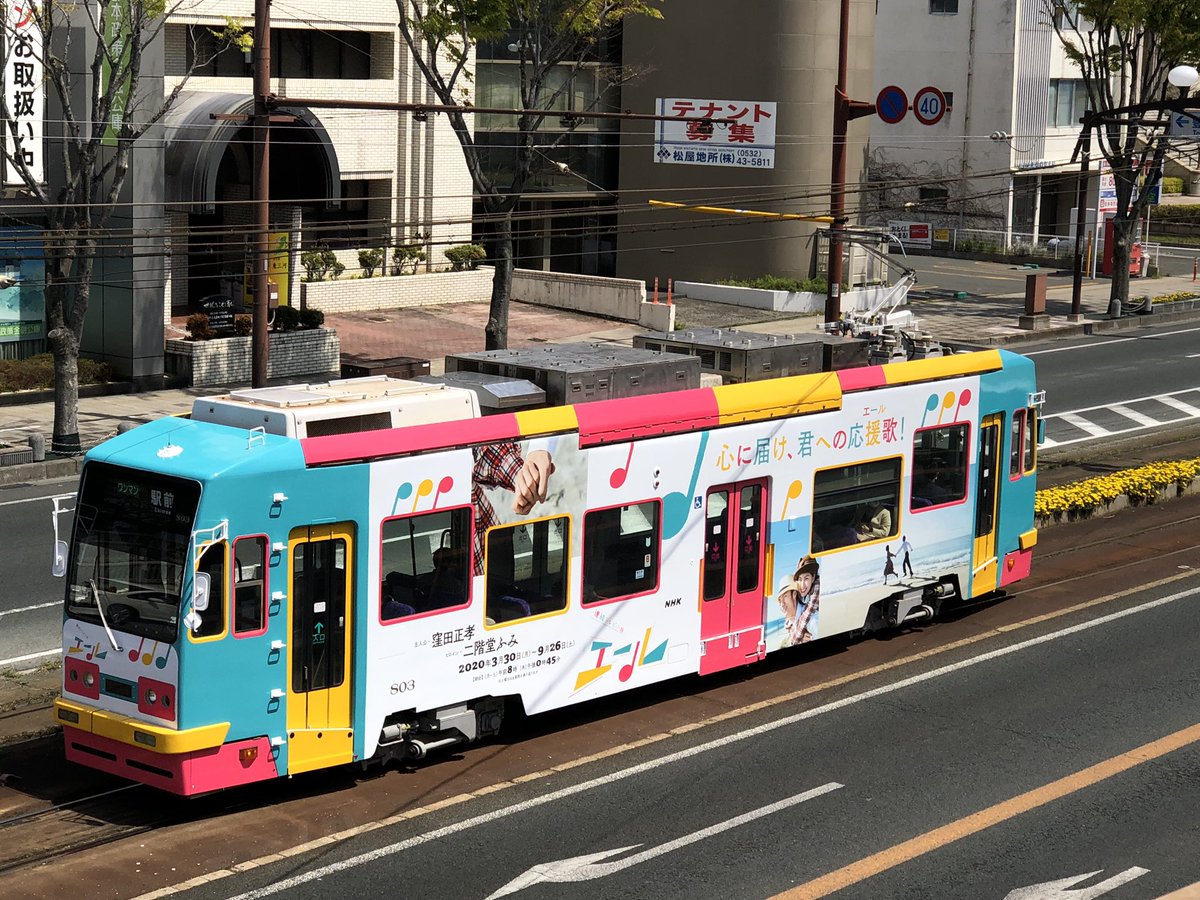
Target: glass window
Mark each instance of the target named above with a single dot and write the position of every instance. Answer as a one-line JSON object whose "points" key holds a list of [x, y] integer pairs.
{"points": [[716, 545], [527, 569], [1014, 447], [250, 585], [749, 531], [426, 561], [621, 551], [318, 614], [1030, 462], [855, 503], [939, 466], [943, 7], [212, 619]]}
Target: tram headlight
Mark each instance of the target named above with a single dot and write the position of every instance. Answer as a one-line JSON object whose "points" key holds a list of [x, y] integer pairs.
{"points": [[89, 679], [151, 697]]}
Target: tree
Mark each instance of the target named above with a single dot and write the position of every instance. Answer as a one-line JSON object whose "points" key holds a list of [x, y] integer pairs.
{"points": [[1124, 49], [92, 57], [553, 39]]}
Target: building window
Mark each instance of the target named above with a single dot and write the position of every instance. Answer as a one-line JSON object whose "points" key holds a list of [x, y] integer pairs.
{"points": [[427, 561], [295, 53], [1068, 102], [933, 197], [939, 466], [349, 226], [527, 569], [621, 551], [943, 7], [855, 503]]}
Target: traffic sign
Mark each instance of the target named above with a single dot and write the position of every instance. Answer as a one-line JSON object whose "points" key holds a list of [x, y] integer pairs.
{"points": [[1185, 125], [892, 104], [929, 105]]}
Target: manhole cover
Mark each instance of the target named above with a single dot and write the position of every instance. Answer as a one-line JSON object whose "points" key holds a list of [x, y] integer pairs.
{"points": [[378, 319]]}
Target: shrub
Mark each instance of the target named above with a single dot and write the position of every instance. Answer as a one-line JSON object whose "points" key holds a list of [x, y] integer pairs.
{"points": [[287, 318], [816, 285], [243, 326], [311, 318], [1172, 185], [198, 328], [37, 373], [370, 260], [319, 262], [407, 256], [465, 256]]}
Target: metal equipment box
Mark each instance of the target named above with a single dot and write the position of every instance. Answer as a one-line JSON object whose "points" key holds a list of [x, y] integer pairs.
{"points": [[577, 373], [496, 393], [395, 366], [739, 356]]}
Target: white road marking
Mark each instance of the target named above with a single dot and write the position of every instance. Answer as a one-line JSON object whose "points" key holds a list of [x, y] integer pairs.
{"points": [[1138, 417], [1059, 889], [32, 499], [1083, 424], [1095, 344], [20, 659], [688, 754], [1176, 403], [590, 867], [1078, 418], [9, 612]]}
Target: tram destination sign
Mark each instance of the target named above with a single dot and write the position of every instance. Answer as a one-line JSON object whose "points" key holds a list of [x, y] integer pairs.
{"points": [[746, 142]]}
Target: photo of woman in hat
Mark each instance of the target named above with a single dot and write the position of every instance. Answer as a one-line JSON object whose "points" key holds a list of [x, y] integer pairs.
{"points": [[800, 597]]}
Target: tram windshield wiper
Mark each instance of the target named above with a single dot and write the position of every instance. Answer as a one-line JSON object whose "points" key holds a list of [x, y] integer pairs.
{"points": [[103, 620]]}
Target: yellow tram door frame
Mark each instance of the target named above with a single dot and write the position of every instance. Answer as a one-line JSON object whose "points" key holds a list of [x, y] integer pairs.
{"points": [[320, 646], [986, 569]]}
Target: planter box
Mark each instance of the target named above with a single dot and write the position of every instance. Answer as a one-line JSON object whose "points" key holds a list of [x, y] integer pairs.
{"points": [[397, 292], [1170, 492], [290, 354], [858, 300]]}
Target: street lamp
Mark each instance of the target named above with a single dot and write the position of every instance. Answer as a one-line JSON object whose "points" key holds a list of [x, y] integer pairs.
{"points": [[1183, 77]]}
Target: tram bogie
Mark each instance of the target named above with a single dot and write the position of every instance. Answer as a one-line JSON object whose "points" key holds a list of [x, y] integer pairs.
{"points": [[304, 577]]}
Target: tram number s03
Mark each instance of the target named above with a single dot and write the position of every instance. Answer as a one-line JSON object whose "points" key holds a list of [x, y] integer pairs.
{"points": [[403, 687]]}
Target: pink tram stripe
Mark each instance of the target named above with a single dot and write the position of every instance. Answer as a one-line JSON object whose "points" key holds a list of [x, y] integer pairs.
{"points": [[861, 379], [341, 448], [606, 421]]}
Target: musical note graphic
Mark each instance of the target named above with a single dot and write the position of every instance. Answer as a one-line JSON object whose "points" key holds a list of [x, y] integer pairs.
{"points": [[78, 648], [947, 402], [133, 654], [402, 493], [444, 487], [676, 505], [626, 671], [792, 494], [963, 399], [425, 489], [930, 405], [619, 474], [161, 662], [146, 657]]}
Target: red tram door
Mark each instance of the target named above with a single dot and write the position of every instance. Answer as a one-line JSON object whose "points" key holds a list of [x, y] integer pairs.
{"points": [[731, 581]]}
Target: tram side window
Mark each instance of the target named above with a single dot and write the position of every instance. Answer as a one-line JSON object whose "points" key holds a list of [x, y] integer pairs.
{"points": [[212, 620], [1016, 433], [939, 466], [1030, 462], [620, 551], [426, 561], [855, 503], [249, 585], [527, 569]]}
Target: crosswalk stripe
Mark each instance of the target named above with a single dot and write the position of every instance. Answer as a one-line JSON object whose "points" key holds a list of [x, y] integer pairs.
{"points": [[1178, 404], [1084, 425], [1138, 417]]}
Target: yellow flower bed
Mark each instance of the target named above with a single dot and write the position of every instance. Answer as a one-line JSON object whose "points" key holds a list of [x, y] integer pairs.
{"points": [[1142, 484], [1178, 295]]}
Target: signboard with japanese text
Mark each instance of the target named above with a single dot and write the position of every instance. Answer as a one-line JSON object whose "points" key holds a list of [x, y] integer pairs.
{"points": [[1184, 125], [278, 272], [116, 36], [1108, 189], [22, 285], [24, 92], [748, 141], [912, 234]]}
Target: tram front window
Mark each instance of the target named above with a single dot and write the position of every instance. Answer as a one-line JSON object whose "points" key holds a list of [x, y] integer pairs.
{"points": [[129, 549]]}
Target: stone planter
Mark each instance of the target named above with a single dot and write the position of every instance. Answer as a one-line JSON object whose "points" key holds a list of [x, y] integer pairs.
{"points": [[1169, 492], [314, 352], [858, 300], [397, 291]]}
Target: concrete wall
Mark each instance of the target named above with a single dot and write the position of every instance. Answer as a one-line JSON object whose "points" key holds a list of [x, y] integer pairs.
{"points": [[397, 292], [783, 51], [616, 298], [860, 300], [311, 352]]}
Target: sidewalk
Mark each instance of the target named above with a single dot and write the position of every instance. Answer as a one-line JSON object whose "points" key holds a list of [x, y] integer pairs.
{"points": [[432, 332]]}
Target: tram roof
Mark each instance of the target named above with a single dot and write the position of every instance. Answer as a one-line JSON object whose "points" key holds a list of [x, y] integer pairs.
{"points": [[614, 421]]}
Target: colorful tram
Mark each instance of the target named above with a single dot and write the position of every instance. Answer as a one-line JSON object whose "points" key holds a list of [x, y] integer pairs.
{"points": [[302, 577]]}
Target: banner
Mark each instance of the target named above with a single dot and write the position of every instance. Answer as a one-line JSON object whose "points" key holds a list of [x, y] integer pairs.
{"points": [[22, 284], [24, 92], [278, 271], [748, 141]]}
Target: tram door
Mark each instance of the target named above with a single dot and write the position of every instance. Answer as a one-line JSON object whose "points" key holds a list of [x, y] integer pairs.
{"points": [[320, 647], [986, 571], [731, 606]]}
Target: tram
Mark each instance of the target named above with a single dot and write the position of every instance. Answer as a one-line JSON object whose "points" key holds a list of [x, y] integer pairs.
{"points": [[300, 577]]}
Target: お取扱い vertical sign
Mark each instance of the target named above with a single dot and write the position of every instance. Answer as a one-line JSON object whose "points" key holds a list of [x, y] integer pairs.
{"points": [[24, 93], [747, 140]]}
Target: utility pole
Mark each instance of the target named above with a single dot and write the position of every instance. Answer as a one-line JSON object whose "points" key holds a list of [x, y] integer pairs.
{"points": [[1081, 217], [844, 111], [262, 188]]}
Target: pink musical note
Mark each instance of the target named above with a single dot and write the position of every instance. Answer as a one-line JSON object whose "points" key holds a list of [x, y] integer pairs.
{"points": [[146, 657], [792, 494], [133, 654], [92, 651], [425, 488], [963, 399], [617, 478], [626, 671], [444, 487]]}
